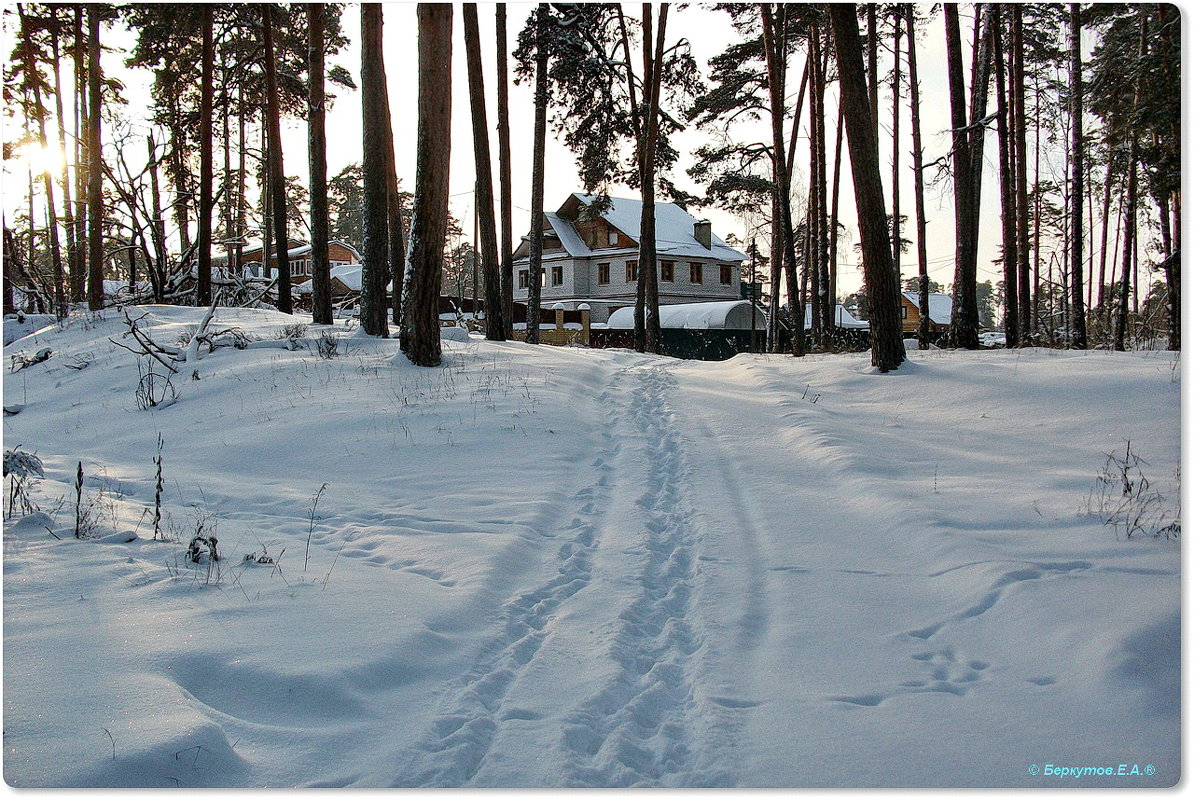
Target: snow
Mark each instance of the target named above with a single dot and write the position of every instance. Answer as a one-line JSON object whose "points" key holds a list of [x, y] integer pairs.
{"points": [[673, 229], [538, 566], [735, 314]]}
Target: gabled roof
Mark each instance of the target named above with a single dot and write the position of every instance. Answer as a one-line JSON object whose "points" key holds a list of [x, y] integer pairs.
{"points": [[674, 237], [941, 307]]}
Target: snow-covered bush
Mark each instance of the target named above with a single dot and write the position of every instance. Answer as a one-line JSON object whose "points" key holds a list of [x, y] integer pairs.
{"points": [[21, 468]]}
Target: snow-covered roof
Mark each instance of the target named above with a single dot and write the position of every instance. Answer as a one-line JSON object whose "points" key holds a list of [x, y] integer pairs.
{"points": [[569, 238], [674, 235], [841, 318], [732, 314], [941, 307], [349, 275]]}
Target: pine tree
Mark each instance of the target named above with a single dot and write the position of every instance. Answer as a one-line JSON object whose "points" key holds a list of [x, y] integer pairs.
{"points": [[495, 328], [420, 338], [375, 269], [887, 344], [321, 290]]}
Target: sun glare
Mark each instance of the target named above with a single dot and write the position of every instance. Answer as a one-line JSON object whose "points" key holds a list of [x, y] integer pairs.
{"points": [[42, 159]]}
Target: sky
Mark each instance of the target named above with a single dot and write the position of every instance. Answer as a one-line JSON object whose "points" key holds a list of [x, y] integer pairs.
{"points": [[708, 32]]}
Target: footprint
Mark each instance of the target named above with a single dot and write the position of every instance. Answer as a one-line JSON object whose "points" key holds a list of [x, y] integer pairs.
{"points": [[874, 699], [1042, 681]]}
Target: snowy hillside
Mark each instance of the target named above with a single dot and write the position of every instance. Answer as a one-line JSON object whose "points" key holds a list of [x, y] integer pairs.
{"points": [[543, 566]]}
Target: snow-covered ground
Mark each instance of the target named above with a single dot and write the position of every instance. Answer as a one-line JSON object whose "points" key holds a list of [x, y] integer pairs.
{"points": [[542, 566]]}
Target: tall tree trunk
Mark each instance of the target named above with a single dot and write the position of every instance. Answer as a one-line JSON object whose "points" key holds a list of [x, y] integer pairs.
{"points": [[1121, 323], [535, 256], [918, 185], [317, 165], [376, 268], [504, 174], [1027, 323], [495, 328], [277, 173], [834, 207], [1006, 189], [1079, 179], [648, 269], [78, 266], [824, 297], [95, 171], [1107, 181], [157, 225], [228, 201], [887, 343], [872, 62], [397, 236], [206, 173], [964, 323], [896, 246], [420, 307], [68, 209], [811, 226], [242, 207], [781, 205], [47, 178]]}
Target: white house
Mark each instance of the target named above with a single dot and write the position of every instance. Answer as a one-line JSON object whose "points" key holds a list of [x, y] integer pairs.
{"points": [[591, 257]]}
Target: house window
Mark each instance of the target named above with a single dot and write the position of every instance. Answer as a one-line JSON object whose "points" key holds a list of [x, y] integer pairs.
{"points": [[557, 274], [696, 273], [542, 276], [903, 312], [613, 238], [667, 271], [523, 283], [631, 272], [727, 276], [603, 273]]}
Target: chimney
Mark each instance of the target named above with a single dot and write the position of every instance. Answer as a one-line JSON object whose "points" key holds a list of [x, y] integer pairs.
{"points": [[702, 231]]}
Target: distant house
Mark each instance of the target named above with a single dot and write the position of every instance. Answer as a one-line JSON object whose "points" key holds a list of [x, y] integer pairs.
{"points": [[298, 253], [592, 257], [940, 310]]}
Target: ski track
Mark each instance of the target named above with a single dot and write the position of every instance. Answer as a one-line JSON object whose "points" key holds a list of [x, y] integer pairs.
{"points": [[459, 738], [637, 730]]}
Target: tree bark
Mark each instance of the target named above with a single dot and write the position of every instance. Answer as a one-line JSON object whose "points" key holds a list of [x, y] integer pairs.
{"points": [[535, 256], [1079, 177], [1121, 322], [495, 328], [887, 344], [1007, 196], [896, 248], [397, 235], [78, 265], [504, 174], [964, 322], [1027, 324], [95, 171], [206, 172], [277, 174], [918, 185], [648, 259], [47, 178], [420, 336], [376, 267], [781, 203], [317, 164], [68, 210]]}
